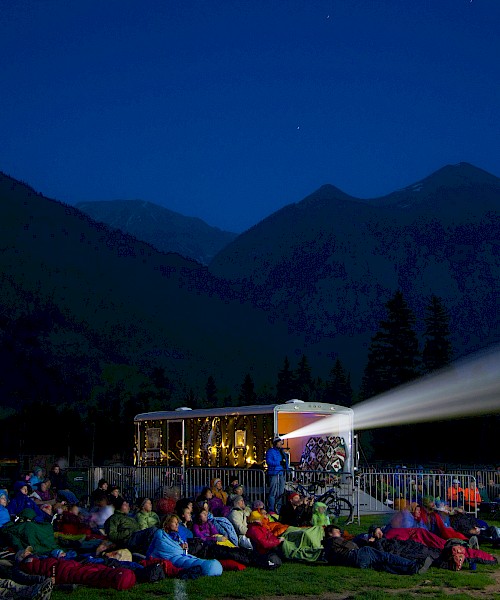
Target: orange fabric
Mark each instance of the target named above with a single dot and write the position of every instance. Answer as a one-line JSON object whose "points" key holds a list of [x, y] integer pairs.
{"points": [[453, 492], [472, 497], [277, 528], [221, 494]]}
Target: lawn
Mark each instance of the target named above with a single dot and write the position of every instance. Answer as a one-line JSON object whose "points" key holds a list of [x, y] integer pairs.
{"points": [[295, 580]]}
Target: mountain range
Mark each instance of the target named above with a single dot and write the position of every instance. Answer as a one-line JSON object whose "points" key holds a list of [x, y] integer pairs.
{"points": [[164, 229], [311, 278]]}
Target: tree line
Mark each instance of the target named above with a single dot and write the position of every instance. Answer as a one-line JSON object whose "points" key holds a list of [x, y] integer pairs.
{"points": [[94, 414]]}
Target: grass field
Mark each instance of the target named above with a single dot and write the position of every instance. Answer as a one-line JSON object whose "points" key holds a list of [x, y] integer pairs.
{"points": [[296, 580]]}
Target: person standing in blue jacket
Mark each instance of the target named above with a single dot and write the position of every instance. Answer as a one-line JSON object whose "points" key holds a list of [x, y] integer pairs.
{"points": [[277, 465]]}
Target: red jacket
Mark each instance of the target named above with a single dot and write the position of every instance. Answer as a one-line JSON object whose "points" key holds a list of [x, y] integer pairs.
{"points": [[263, 540]]}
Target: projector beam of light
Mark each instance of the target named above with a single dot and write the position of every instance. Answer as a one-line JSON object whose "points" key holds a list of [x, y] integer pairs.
{"points": [[469, 387]]}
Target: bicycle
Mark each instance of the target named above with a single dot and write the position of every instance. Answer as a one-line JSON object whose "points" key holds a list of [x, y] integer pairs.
{"points": [[341, 508], [171, 479]]}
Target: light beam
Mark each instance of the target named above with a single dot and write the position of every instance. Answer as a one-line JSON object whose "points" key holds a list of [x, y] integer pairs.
{"points": [[469, 387]]}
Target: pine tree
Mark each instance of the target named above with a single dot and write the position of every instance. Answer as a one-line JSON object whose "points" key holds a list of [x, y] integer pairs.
{"points": [[247, 394], [304, 386], [211, 393], [393, 356], [285, 386], [437, 352], [338, 387]]}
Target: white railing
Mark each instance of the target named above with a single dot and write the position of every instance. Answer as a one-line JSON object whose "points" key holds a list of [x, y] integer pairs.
{"points": [[379, 492], [370, 492]]}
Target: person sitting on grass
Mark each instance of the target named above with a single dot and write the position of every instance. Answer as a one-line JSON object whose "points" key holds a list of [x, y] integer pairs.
{"points": [[96, 495], [263, 540], [217, 490], [319, 514], [59, 484], [297, 511], [124, 531], [339, 551], [222, 524], [238, 518], [168, 544], [186, 523], [145, 516], [206, 530], [100, 512], [4, 513], [21, 501], [43, 494], [217, 507]]}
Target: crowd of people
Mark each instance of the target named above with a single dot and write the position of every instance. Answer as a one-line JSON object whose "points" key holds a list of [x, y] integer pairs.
{"points": [[49, 539]]}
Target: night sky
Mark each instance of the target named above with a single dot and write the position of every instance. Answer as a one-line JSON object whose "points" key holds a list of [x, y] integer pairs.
{"points": [[228, 110]]}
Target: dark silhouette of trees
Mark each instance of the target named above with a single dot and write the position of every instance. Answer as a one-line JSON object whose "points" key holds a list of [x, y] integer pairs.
{"points": [[437, 351], [393, 359], [247, 394], [285, 386], [393, 356], [338, 387], [304, 386], [211, 397]]}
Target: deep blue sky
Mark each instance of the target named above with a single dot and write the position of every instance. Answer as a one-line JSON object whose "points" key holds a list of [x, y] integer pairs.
{"points": [[228, 109]]}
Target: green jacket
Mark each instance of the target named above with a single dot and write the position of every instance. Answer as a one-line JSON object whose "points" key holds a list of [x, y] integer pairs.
{"points": [[147, 519], [119, 527]]}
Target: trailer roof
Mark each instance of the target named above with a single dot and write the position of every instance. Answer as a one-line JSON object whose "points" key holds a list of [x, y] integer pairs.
{"points": [[258, 409]]}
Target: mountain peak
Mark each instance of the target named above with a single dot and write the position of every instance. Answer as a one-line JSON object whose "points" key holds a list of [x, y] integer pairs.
{"points": [[326, 193], [460, 174]]}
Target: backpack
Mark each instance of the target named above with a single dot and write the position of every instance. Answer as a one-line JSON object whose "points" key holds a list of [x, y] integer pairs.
{"points": [[453, 555]]}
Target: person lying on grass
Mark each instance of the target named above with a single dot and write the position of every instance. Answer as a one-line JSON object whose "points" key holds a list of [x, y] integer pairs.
{"points": [[339, 551]]}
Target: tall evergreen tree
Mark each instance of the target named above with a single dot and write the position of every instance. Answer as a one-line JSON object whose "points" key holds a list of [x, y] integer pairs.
{"points": [[211, 393], [304, 386], [285, 386], [437, 352], [393, 356], [247, 394], [338, 387]]}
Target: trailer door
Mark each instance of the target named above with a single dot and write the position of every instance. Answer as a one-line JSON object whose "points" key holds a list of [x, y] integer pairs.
{"points": [[175, 443]]}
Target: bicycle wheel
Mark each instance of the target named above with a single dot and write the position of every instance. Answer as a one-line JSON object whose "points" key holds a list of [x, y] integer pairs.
{"points": [[340, 508]]}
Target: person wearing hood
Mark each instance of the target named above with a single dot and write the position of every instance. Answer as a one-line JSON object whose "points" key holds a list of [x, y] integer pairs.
{"points": [[4, 513], [217, 491], [37, 477], [319, 514], [21, 501], [263, 540]]}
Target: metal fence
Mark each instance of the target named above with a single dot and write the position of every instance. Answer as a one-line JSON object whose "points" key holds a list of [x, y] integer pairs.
{"points": [[383, 492], [154, 482], [371, 492]]}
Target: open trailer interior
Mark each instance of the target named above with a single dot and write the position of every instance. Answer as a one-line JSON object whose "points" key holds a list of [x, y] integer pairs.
{"points": [[239, 436]]}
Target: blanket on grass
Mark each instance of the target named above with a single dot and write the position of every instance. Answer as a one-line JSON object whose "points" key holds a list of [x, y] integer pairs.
{"points": [[303, 543]]}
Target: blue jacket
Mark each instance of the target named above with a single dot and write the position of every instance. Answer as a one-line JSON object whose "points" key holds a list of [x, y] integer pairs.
{"points": [[20, 502], [4, 516], [273, 460]]}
